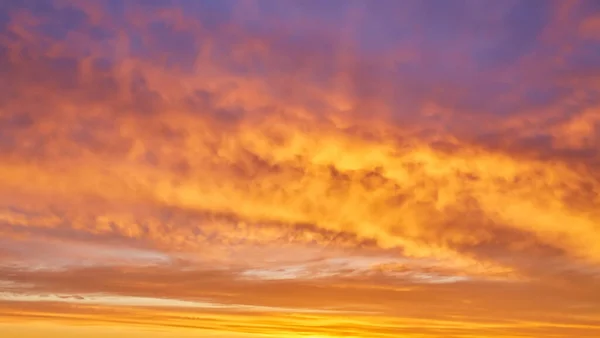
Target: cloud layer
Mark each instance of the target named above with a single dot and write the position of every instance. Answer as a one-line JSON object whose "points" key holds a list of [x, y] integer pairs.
{"points": [[380, 168]]}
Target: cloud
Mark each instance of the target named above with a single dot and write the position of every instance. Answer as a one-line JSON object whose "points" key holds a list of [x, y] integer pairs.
{"points": [[268, 160], [404, 309]]}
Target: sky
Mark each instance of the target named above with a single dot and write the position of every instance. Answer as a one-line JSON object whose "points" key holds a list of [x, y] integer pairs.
{"points": [[300, 169]]}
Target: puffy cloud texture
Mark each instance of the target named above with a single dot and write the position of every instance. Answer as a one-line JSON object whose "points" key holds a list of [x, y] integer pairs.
{"points": [[300, 169]]}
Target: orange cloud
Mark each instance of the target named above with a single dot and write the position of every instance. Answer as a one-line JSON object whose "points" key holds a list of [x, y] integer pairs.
{"points": [[162, 155]]}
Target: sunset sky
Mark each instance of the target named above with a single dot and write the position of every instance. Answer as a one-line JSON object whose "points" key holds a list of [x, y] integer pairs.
{"points": [[299, 169]]}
